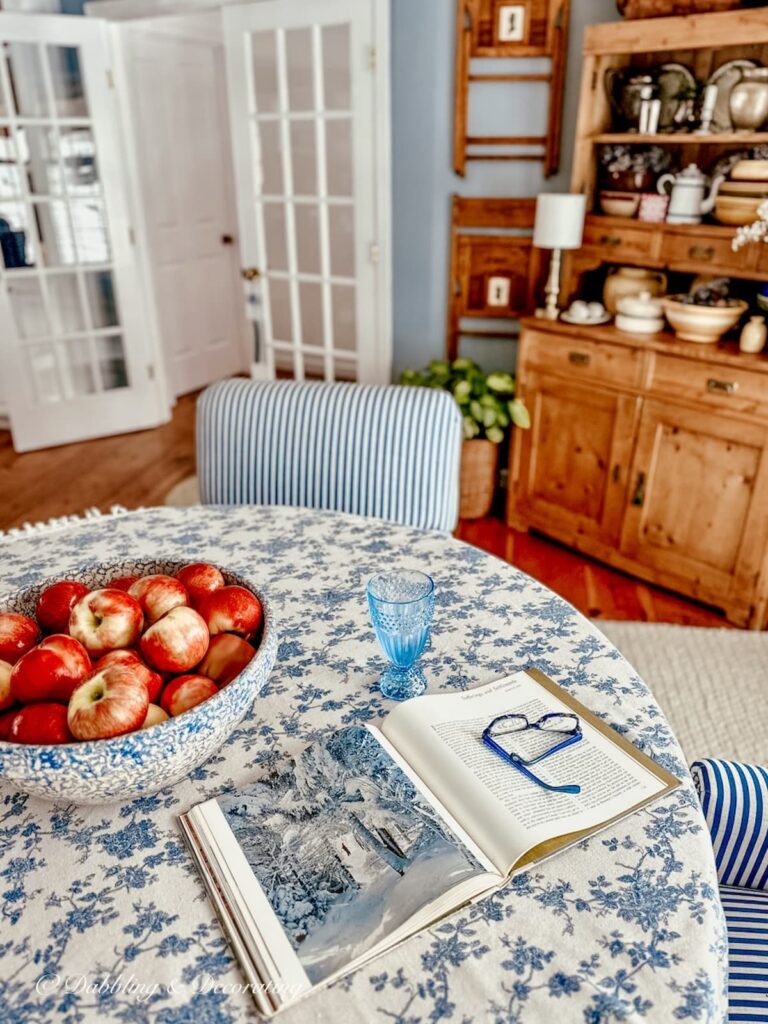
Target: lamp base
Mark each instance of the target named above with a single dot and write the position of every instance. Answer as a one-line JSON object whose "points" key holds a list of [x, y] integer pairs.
{"points": [[552, 288]]}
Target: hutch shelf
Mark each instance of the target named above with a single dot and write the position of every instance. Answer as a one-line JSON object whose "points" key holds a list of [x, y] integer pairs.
{"points": [[651, 454]]}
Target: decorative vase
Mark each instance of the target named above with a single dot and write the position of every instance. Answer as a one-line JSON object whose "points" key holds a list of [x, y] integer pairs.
{"points": [[753, 335], [631, 281], [477, 482], [748, 102]]}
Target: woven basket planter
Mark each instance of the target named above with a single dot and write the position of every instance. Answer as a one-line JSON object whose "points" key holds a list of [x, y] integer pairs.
{"points": [[663, 8], [479, 462]]}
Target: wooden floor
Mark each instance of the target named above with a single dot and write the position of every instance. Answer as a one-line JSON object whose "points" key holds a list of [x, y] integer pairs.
{"points": [[140, 469]]}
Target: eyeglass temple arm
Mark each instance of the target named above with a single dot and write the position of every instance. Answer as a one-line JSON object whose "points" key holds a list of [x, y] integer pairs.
{"points": [[515, 763]]}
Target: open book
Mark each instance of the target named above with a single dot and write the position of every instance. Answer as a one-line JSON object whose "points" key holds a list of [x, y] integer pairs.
{"points": [[375, 832]]}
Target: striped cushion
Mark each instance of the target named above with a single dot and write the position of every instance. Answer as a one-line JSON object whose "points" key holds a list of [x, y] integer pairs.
{"points": [[390, 452], [746, 913], [734, 798]]}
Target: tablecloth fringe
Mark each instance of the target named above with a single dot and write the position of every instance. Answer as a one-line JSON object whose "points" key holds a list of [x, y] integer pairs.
{"points": [[60, 522]]}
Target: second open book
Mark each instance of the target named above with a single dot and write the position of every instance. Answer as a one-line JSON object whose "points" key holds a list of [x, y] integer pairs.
{"points": [[375, 832]]}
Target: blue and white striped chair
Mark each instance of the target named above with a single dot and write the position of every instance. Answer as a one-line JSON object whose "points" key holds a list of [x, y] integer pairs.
{"points": [[734, 798], [390, 452]]}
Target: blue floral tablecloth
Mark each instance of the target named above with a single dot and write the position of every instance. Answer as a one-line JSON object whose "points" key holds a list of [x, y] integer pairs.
{"points": [[103, 917]]}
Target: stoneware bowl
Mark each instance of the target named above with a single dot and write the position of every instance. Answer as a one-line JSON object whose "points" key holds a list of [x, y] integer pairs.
{"points": [[619, 204], [142, 762], [705, 324]]}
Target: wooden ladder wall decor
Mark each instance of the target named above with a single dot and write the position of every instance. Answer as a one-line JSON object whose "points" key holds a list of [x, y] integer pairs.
{"points": [[491, 276], [495, 28]]}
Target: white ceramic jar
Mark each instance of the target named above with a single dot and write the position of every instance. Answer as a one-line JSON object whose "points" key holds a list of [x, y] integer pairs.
{"points": [[639, 314], [753, 335]]}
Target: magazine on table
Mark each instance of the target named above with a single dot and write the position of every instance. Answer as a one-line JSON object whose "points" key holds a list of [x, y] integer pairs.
{"points": [[375, 832]]}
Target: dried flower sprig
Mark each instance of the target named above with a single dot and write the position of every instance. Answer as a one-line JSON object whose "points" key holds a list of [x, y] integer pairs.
{"points": [[757, 231]]}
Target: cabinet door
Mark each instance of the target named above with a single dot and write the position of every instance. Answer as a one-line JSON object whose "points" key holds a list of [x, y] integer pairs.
{"points": [[699, 491], [572, 465]]}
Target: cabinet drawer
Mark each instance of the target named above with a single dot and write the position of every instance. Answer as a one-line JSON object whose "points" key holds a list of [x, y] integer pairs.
{"points": [[625, 243], [579, 359], [723, 386], [702, 251]]}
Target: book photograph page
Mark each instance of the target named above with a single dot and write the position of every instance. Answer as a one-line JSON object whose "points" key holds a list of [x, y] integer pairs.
{"points": [[345, 849]]}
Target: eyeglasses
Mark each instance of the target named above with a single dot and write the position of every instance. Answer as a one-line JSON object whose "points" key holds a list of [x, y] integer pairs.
{"points": [[565, 725]]}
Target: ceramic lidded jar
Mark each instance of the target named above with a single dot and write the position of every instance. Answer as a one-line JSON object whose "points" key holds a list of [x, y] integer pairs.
{"points": [[753, 335], [631, 281], [640, 314]]}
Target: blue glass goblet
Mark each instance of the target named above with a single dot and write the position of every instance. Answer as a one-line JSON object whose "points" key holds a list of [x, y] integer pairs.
{"points": [[401, 605]]}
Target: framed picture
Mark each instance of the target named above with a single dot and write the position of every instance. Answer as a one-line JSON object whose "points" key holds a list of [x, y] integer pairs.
{"points": [[498, 290], [512, 24]]}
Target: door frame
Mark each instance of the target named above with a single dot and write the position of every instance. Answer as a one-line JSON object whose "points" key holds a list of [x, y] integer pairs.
{"points": [[139, 329]]}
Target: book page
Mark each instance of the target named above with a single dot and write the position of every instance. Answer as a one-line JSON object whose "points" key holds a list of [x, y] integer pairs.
{"points": [[504, 811], [340, 852]]}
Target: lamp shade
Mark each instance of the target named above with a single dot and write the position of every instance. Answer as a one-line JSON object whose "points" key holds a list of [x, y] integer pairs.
{"points": [[559, 220]]}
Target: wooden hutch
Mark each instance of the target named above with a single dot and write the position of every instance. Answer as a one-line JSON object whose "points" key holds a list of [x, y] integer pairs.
{"points": [[651, 453]]}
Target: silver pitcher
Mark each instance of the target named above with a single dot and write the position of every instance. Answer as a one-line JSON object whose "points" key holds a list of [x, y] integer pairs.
{"points": [[748, 102]]}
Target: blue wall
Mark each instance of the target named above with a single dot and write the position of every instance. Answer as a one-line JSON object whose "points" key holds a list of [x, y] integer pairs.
{"points": [[422, 176]]}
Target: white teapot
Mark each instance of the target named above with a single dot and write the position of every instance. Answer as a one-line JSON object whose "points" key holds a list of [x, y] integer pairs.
{"points": [[688, 199]]}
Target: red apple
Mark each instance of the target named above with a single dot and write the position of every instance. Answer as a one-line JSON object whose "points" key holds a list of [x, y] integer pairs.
{"points": [[157, 595], [56, 603], [152, 680], [231, 610], [155, 716], [122, 583], [186, 692], [177, 642], [40, 723], [6, 693], [226, 657], [110, 703], [200, 579], [6, 720], [18, 634], [50, 671], [105, 620]]}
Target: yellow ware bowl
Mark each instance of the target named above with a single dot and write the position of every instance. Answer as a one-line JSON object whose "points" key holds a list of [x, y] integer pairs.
{"points": [[750, 170], [703, 324], [736, 210]]}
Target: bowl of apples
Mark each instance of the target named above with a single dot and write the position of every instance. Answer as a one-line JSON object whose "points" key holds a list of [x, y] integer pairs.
{"points": [[122, 678]]}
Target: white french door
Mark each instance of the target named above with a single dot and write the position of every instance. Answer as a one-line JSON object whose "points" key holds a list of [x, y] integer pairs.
{"points": [[310, 131], [76, 345]]}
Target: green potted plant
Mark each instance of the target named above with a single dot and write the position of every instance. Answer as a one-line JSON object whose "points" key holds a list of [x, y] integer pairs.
{"points": [[489, 409]]}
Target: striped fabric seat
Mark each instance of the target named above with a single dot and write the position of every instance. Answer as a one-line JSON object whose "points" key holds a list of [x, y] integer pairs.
{"points": [[746, 914], [734, 798], [388, 452]]}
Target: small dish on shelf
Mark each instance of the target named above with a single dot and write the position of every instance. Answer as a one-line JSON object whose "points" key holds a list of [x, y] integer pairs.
{"points": [[619, 204], [568, 318]]}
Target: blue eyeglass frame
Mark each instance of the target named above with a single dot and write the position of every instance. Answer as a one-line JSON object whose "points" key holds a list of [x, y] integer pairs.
{"points": [[521, 763]]}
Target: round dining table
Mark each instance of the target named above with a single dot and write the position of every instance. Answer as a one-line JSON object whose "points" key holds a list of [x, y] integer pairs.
{"points": [[104, 917]]}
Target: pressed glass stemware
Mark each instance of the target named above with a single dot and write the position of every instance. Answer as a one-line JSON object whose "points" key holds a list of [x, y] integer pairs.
{"points": [[401, 605]]}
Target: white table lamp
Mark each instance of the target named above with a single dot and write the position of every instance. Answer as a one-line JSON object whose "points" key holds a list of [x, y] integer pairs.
{"points": [[559, 225]]}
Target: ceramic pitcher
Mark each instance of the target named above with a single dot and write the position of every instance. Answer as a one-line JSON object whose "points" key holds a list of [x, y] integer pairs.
{"points": [[623, 281]]}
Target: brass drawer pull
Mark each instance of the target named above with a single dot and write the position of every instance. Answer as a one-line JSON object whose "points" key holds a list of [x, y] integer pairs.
{"points": [[610, 240], [639, 496], [579, 358], [722, 387], [701, 252]]}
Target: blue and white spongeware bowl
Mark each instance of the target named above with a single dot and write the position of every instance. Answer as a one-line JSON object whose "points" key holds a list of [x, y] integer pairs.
{"points": [[139, 763]]}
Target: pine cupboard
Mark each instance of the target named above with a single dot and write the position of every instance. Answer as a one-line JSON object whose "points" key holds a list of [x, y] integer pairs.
{"points": [[650, 455]]}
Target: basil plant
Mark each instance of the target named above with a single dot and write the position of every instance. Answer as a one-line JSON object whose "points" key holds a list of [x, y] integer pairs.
{"points": [[487, 401]]}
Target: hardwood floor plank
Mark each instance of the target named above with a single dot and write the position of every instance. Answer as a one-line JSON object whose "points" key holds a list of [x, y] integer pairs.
{"points": [[139, 469]]}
